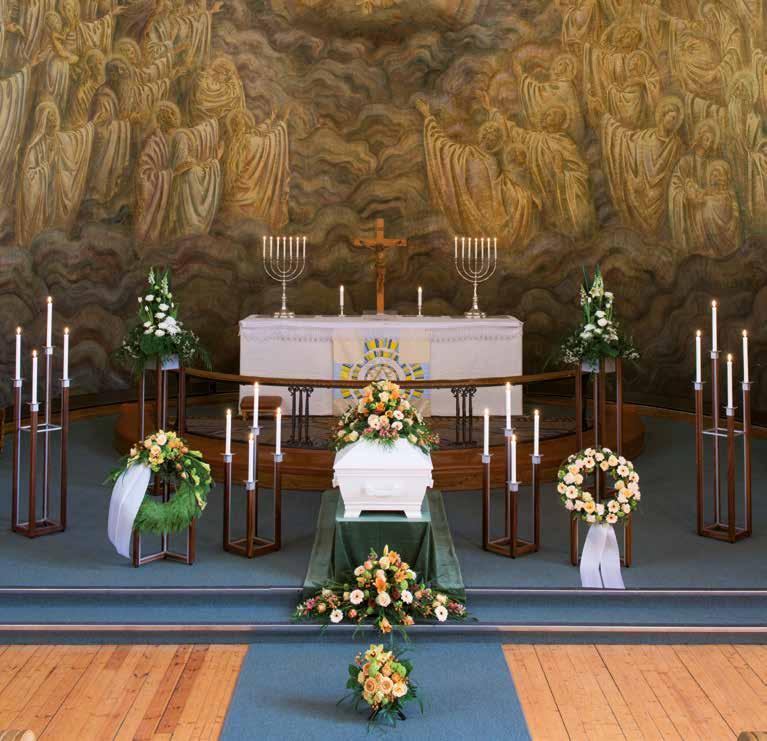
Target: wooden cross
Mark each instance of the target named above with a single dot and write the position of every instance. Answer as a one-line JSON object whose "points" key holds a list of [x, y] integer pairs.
{"points": [[379, 244]]}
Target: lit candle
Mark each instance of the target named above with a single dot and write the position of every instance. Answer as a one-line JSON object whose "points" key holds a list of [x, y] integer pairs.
{"points": [[514, 458], [65, 371], [536, 432], [508, 405], [304, 250], [49, 324], [251, 449], [18, 353], [278, 431], [34, 376], [263, 249], [729, 382], [486, 436], [228, 449], [420, 299], [256, 395], [698, 364], [341, 297], [455, 252], [745, 357], [714, 346]]}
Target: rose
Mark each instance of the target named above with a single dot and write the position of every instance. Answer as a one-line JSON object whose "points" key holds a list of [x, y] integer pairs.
{"points": [[356, 597], [399, 689], [374, 422], [336, 616], [383, 599]]}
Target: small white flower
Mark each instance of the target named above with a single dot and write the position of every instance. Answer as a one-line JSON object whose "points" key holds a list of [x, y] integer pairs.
{"points": [[440, 613], [160, 315], [336, 616], [611, 518], [591, 518], [602, 322], [147, 324], [600, 314], [356, 597], [149, 297], [407, 596], [626, 508], [164, 307], [159, 333], [600, 508], [569, 505], [360, 570]]}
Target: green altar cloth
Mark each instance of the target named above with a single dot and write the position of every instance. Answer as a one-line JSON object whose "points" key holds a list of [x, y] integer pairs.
{"points": [[341, 544]]}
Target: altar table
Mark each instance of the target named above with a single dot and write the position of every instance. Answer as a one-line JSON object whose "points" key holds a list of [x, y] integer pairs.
{"points": [[389, 346], [343, 543]]}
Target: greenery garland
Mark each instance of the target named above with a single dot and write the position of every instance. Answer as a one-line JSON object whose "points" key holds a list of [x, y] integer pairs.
{"points": [[168, 456]]}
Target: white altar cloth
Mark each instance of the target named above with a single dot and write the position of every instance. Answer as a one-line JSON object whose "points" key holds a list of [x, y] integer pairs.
{"points": [[406, 346]]}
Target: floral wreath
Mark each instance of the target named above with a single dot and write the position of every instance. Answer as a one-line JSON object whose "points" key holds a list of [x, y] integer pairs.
{"points": [[581, 502], [168, 456]]}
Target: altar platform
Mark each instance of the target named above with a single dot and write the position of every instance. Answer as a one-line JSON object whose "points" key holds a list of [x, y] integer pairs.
{"points": [[678, 579]]}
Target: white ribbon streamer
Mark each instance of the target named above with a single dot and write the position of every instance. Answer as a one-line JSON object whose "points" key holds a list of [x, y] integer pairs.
{"points": [[601, 560], [127, 495]]}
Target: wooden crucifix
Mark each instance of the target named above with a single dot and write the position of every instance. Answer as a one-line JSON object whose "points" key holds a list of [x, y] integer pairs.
{"points": [[379, 244]]}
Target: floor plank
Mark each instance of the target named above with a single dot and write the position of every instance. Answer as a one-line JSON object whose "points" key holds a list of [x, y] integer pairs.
{"points": [[640, 691], [172, 693]]}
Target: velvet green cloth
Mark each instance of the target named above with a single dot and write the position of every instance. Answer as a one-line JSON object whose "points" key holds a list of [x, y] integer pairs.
{"points": [[341, 544]]}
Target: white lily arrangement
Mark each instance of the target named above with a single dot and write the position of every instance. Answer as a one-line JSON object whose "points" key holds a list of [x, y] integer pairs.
{"points": [[599, 335], [159, 333]]}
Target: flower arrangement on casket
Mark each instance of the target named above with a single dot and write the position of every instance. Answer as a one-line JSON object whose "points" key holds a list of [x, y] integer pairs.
{"points": [[383, 682], [159, 334], [599, 334], [383, 415], [168, 456], [625, 495], [384, 591]]}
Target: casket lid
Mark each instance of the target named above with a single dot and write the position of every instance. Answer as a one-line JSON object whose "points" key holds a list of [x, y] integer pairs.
{"points": [[366, 454]]}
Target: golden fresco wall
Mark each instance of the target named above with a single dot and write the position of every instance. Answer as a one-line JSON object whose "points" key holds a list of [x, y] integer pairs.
{"points": [[179, 132]]}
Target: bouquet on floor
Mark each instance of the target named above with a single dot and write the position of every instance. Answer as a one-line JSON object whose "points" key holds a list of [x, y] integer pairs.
{"points": [[159, 335], [599, 334], [381, 681], [168, 456], [383, 414], [385, 592]]}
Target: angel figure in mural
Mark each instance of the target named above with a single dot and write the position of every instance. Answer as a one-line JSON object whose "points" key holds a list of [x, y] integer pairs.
{"points": [[256, 169], [154, 175], [197, 183], [15, 96], [633, 101], [55, 62], [559, 174], [92, 77], [581, 23], [81, 36], [703, 208], [137, 99], [26, 22], [539, 95], [638, 165], [154, 64], [52, 176], [747, 147], [216, 91], [477, 186]]}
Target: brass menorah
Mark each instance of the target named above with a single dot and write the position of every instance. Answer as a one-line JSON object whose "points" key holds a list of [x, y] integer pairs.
{"points": [[476, 263], [284, 261]]}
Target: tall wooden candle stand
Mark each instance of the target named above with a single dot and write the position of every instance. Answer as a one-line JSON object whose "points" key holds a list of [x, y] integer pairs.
{"points": [[252, 544], [599, 373], [511, 544], [40, 438], [162, 372], [724, 525]]}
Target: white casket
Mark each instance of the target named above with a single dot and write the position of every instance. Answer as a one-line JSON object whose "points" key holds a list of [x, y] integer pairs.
{"points": [[374, 477]]}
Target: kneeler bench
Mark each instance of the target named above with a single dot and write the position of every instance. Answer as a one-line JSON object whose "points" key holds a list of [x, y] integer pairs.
{"points": [[266, 404]]}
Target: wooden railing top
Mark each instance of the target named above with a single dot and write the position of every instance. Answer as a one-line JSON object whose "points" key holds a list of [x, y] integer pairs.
{"points": [[445, 383]]}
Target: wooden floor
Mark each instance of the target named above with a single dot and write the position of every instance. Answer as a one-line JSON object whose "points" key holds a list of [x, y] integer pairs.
{"points": [[118, 692], [635, 692]]}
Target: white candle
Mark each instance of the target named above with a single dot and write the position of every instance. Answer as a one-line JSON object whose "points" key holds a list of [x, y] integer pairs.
{"points": [[256, 396], [714, 346], [513, 457], [455, 251], [536, 432], [278, 431], [65, 371], [729, 382], [251, 448], [34, 376], [49, 324], [263, 249], [486, 436], [18, 353], [228, 449], [508, 406], [341, 298], [420, 299], [745, 357], [698, 363]]}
